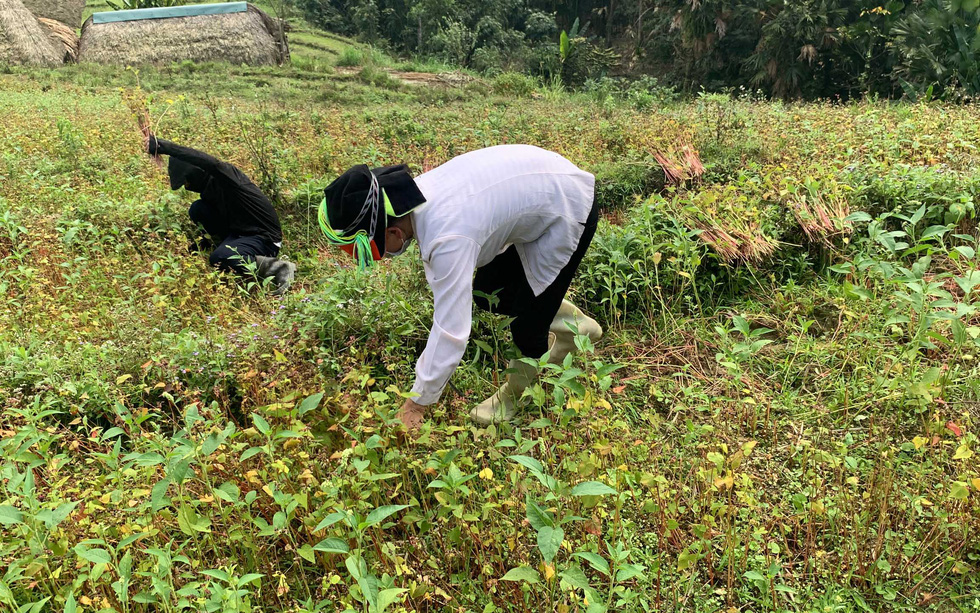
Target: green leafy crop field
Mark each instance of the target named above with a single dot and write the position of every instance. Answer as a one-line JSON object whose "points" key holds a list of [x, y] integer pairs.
{"points": [[782, 416]]}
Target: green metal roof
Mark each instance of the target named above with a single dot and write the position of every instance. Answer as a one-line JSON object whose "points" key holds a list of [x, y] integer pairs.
{"points": [[174, 11]]}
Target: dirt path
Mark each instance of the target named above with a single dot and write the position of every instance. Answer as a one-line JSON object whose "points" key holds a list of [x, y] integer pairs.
{"points": [[448, 79]]}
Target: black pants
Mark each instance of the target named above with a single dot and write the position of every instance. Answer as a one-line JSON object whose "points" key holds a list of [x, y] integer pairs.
{"points": [[233, 252], [515, 298]]}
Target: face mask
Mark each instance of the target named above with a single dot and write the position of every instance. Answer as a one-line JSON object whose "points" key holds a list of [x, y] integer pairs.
{"points": [[392, 254]]}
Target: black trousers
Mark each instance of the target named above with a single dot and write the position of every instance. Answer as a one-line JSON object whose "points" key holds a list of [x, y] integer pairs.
{"points": [[232, 253], [515, 298]]}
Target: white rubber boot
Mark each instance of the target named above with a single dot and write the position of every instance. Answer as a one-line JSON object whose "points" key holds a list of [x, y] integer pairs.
{"points": [[502, 406], [564, 337], [282, 272]]}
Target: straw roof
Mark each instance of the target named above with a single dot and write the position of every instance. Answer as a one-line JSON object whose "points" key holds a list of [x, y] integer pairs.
{"points": [[63, 36], [22, 39], [65, 11], [237, 38]]}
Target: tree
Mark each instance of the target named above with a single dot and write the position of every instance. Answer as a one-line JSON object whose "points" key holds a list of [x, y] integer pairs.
{"points": [[937, 47]]}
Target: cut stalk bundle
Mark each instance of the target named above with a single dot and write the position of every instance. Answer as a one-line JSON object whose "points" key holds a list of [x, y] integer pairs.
{"points": [[63, 37], [680, 166]]}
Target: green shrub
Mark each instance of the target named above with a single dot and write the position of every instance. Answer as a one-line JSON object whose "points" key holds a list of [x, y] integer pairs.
{"points": [[619, 184], [643, 267], [378, 78], [514, 84], [642, 94], [949, 196], [351, 56]]}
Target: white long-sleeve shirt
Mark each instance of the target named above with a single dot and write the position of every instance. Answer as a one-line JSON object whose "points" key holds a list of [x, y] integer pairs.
{"points": [[478, 205]]}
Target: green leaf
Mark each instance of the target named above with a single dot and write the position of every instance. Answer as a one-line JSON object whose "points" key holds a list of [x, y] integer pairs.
{"points": [[564, 47], [252, 451], [330, 520], [53, 518], [538, 517], [592, 488], [628, 572], [528, 462], [129, 540], [686, 560], [968, 281], [959, 490], [158, 495], [368, 583], [95, 556], [249, 578], [918, 215], [575, 577], [753, 575], [537, 469], [388, 597], [549, 541], [594, 560], [10, 516], [522, 573], [382, 513], [966, 251], [933, 231], [261, 424], [190, 522], [306, 552], [858, 217], [227, 491], [112, 432], [332, 545], [149, 459], [210, 445], [309, 403], [856, 293], [215, 573]]}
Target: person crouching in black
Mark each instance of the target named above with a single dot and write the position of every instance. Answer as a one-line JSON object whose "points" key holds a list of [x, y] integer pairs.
{"points": [[240, 223]]}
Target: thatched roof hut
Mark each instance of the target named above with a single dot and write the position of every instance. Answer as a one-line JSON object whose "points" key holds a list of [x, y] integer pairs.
{"points": [[231, 32], [66, 11], [63, 36], [23, 41]]}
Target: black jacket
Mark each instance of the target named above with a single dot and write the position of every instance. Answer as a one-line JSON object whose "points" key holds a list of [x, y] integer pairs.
{"points": [[232, 196]]}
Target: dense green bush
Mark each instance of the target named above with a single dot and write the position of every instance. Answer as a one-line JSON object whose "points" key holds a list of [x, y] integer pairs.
{"points": [[618, 185], [949, 196], [514, 84]]}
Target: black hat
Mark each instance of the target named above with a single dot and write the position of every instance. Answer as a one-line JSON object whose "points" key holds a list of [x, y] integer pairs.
{"points": [[349, 207], [182, 173]]}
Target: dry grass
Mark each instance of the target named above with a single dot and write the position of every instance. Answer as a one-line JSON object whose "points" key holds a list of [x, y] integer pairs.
{"points": [[236, 38], [23, 41], [821, 218], [63, 36], [66, 11], [737, 246], [681, 165]]}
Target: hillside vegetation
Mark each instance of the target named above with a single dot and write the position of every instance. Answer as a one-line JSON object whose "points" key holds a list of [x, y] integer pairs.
{"points": [[781, 417]]}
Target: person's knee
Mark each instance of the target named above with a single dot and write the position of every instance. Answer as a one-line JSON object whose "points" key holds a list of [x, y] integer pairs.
{"points": [[196, 212], [226, 259], [221, 258]]}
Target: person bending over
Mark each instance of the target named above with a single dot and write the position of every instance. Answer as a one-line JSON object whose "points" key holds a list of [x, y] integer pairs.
{"points": [[239, 222], [512, 221]]}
